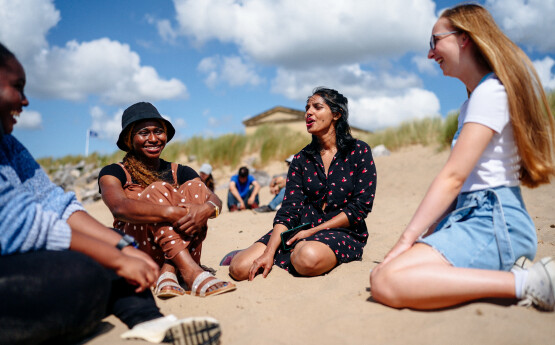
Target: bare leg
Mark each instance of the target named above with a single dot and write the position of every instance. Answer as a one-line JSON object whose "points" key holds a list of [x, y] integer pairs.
{"points": [[241, 263], [190, 269], [421, 278], [312, 258]]}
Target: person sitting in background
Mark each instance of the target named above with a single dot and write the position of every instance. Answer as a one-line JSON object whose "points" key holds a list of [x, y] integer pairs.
{"points": [[61, 271], [205, 173], [243, 191], [277, 188]]}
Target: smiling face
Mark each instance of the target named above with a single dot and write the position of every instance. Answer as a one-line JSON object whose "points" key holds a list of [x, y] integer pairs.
{"points": [[447, 48], [318, 116], [12, 98], [149, 139]]}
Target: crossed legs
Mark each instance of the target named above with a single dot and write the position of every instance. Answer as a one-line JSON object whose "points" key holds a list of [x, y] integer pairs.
{"points": [[309, 258], [421, 278]]}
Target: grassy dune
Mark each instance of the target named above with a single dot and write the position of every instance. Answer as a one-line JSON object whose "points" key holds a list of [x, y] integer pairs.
{"points": [[271, 143]]}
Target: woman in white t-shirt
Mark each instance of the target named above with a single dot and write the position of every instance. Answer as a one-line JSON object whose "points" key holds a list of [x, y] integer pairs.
{"points": [[505, 137]]}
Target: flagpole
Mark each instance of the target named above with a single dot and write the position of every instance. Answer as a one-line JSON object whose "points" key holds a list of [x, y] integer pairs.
{"points": [[87, 143]]}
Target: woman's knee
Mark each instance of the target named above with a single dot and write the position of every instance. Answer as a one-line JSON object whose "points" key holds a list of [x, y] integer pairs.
{"points": [[239, 267], [384, 286], [242, 261], [309, 260], [154, 193]]}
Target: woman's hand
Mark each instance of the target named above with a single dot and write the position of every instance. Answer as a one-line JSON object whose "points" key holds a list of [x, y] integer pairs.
{"points": [[265, 261], [301, 234], [195, 220], [139, 254], [399, 248], [136, 271]]}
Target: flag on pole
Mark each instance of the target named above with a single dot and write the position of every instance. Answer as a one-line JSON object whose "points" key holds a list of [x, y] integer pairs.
{"points": [[90, 134]]}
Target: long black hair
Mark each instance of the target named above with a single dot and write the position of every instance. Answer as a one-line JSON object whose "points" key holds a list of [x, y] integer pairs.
{"points": [[338, 104]]}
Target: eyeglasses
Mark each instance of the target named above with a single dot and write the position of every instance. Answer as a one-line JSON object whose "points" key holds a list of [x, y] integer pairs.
{"points": [[434, 36]]}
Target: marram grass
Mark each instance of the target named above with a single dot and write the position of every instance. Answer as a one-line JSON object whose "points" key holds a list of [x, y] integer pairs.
{"points": [[271, 143]]}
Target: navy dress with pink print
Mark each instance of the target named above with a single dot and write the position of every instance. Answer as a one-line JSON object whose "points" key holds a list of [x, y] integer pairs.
{"points": [[312, 197]]}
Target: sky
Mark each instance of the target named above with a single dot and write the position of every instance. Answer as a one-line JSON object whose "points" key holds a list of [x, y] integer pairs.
{"points": [[208, 65]]}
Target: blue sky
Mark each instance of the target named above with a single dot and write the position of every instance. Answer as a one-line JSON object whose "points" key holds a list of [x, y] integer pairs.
{"points": [[209, 64]]}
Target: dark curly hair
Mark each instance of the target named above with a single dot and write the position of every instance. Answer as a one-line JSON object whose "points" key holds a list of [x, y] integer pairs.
{"points": [[338, 104]]}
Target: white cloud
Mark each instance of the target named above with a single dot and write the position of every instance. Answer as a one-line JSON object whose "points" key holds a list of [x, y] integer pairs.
{"points": [[212, 121], [166, 31], [310, 32], [30, 120], [380, 111], [108, 127], [164, 27], [24, 24], [232, 70], [179, 123], [544, 67], [375, 100], [102, 67], [351, 80], [425, 65], [528, 22]]}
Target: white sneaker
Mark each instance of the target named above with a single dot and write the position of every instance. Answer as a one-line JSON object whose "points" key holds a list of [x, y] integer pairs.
{"points": [[193, 330], [539, 288], [522, 263]]}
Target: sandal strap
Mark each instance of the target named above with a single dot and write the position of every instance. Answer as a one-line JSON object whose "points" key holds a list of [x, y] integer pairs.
{"points": [[199, 279], [167, 283], [208, 285], [164, 276], [167, 275]]}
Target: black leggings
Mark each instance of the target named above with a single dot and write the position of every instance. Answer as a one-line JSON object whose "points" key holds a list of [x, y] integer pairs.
{"points": [[61, 296]]}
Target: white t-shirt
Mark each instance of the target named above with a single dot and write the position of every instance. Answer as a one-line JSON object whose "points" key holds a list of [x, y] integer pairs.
{"points": [[499, 165]]}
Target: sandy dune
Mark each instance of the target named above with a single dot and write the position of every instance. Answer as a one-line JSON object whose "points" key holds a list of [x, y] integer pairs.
{"points": [[336, 308]]}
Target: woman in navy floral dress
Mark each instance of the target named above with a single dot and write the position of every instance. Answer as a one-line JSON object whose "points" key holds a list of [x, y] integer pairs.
{"points": [[331, 185]]}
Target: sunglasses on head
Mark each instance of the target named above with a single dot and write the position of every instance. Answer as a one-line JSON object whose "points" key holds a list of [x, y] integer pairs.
{"points": [[433, 38]]}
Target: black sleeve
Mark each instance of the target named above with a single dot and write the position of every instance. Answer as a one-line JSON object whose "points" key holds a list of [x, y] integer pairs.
{"points": [[185, 173], [113, 170]]}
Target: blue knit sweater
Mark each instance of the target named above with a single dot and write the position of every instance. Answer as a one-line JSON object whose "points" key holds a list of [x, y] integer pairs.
{"points": [[33, 210]]}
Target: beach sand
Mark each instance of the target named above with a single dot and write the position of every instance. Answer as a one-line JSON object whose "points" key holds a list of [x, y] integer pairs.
{"points": [[336, 308]]}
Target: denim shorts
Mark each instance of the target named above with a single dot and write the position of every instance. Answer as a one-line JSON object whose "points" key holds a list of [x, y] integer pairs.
{"points": [[489, 229]]}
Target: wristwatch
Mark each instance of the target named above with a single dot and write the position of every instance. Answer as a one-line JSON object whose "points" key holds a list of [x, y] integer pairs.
{"points": [[216, 208], [125, 241]]}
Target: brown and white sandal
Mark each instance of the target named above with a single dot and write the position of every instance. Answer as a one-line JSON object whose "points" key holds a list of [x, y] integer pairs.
{"points": [[203, 292], [168, 279]]}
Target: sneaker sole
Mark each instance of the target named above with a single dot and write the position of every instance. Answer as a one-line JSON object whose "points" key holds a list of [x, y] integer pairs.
{"points": [[195, 331], [548, 264]]}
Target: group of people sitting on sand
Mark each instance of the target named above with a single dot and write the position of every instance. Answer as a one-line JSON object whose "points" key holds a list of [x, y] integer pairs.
{"points": [[471, 237]]}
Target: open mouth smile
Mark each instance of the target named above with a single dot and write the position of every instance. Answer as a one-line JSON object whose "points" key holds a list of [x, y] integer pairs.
{"points": [[153, 149]]}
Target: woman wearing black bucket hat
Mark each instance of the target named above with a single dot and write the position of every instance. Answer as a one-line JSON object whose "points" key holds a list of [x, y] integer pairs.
{"points": [[164, 206]]}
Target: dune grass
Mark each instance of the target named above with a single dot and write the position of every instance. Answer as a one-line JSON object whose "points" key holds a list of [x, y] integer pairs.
{"points": [[271, 143]]}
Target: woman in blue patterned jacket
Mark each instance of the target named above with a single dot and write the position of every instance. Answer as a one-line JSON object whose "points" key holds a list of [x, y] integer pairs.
{"points": [[61, 271]]}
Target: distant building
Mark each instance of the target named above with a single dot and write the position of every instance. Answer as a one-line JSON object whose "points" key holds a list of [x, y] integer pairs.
{"points": [[286, 117]]}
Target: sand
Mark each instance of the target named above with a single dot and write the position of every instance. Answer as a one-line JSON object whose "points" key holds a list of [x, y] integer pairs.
{"points": [[336, 308]]}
